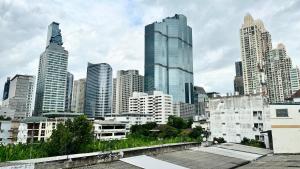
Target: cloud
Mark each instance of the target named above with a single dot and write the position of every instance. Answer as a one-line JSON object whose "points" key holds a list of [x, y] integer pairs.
{"points": [[113, 32]]}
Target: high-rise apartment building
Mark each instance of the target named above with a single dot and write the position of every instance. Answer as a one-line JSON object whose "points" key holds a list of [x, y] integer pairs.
{"points": [[69, 89], [158, 104], [52, 74], [238, 79], [114, 96], [279, 81], [169, 58], [98, 91], [20, 95], [128, 81], [6, 89], [78, 96], [255, 45], [295, 79]]}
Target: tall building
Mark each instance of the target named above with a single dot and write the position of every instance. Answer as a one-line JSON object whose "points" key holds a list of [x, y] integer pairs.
{"points": [[69, 89], [78, 96], [114, 96], [238, 79], [158, 104], [6, 89], [169, 58], [279, 81], [200, 100], [98, 92], [52, 74], [255, 45], [295, 79], [128, 81], [20, 95]]}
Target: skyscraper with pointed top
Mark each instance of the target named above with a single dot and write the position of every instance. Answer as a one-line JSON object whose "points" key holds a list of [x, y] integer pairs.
{"points": [[52, 74]]}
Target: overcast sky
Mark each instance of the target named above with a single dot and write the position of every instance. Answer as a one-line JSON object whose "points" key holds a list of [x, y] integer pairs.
{"points": [[112, 31]]}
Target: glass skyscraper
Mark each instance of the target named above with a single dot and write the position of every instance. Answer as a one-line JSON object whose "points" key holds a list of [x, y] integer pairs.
{"points": [[69, 90], [52, 74], [169, 58], [98, 92]]}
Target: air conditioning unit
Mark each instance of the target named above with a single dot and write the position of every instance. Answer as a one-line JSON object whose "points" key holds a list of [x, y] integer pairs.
{"points": [[254, 128], [259, 117]]}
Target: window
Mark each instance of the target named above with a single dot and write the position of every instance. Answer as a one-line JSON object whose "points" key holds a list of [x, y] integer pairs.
{"points": [[282, 113]]}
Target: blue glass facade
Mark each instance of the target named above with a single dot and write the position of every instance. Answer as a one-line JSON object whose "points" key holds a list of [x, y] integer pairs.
{"points": [[6, 89], [169, 58], [98, 93]]}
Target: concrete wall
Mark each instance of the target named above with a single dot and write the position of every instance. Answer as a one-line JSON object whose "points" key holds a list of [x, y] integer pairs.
{"points": [[79, 160]]}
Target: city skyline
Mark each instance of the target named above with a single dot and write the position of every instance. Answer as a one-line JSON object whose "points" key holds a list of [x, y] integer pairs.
{"points": [[92, 41]]}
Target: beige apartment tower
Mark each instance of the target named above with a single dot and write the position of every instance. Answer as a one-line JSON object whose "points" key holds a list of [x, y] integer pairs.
{"points": [[127, 82], [255, 45], [78, 96]]}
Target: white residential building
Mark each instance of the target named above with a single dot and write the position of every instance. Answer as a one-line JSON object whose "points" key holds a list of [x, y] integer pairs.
{"points": [[20, 95], [109, 130], [34, 129], [78, 95], [285, 125], [158, 104], [236, 117], [295, 79], [131, 119], [127, 82], [8, 131]]}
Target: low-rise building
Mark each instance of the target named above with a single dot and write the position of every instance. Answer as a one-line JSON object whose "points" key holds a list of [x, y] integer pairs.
{"points": [[34, 128], [8, 131], [109, 130], [131, 119], [285, 126], [158, 104], [236, 117]]}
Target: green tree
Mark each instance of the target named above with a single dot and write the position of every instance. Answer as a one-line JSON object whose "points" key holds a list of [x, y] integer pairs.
{"points": [[196, 132], [177, 122], [166, 131], [72, 137]]}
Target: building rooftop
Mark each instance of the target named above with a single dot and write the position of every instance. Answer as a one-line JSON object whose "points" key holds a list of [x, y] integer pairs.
{"points": [[61, 114], [108, 122], [34, 119]]}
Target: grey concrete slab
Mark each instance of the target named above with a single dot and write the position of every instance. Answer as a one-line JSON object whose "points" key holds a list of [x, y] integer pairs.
{"points": [[274, 162], [197, 159], [243, 148], [111, 165]]}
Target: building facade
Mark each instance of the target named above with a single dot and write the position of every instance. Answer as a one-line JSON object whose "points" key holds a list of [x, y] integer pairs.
{"points": [[285, 120], [78, 96], [20, 95], [184, 110], [131, 119], [158, 104], [114, 96], [128, 81], [69, 90], [109, 130], [238, 79], [169, 58], [200, 100], [98, 91], [279, 81], [52, 74], [236, 117], [255, 43], [295, 79], [9, 131]]}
